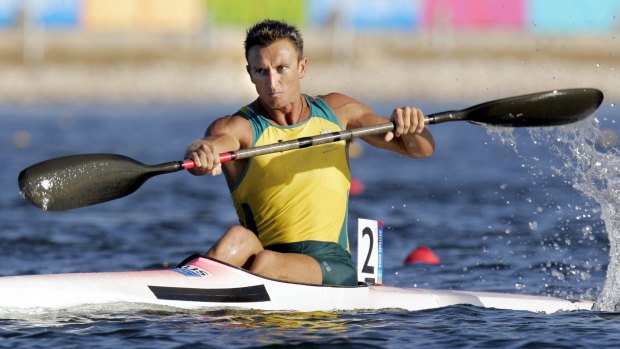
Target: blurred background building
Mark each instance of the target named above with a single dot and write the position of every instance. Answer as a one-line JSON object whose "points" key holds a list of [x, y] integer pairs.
{"points": [[535, 16], [38, 36]]}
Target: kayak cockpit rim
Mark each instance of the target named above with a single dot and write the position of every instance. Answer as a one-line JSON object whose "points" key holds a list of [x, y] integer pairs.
{"points": [[195, 256]]}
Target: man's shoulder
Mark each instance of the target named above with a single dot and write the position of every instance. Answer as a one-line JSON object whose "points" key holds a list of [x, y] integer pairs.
{"points": [[232, 124], [337, 100], [334, 97], [341, 103]]}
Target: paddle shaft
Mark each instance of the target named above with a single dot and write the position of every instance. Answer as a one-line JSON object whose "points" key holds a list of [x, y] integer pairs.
{"points": [[325, 138], [305, 142]]}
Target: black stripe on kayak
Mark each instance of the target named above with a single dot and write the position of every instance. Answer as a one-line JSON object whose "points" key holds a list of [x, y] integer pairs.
{"points": [[248, 294]]}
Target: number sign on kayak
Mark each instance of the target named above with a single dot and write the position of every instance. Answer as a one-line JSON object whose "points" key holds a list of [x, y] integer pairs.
{"points": [[369, 251]]}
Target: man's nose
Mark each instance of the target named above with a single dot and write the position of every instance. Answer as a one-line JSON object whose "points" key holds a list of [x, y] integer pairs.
{"points": [[272, 79]]}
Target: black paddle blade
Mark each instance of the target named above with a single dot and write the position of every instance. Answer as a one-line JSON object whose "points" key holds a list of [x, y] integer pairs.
{"points": [[550, 108], [82, 180]]}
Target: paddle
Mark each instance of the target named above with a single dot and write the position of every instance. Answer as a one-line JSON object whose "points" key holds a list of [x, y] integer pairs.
{"points": [[82, 180]]}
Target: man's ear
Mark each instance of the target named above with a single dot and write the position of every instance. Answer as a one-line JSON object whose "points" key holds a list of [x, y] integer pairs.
{"points": [[249, 70], [302, 65]]}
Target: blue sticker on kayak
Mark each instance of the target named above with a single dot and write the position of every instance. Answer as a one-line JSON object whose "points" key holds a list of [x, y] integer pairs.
{"points": [[192, 271]]}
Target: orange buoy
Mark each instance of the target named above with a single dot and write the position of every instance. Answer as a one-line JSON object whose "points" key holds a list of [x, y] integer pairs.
{"points": [[357, 187], [422, 254]]}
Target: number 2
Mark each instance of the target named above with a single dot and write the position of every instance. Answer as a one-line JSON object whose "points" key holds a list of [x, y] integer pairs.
{"points": [[369, 269]]}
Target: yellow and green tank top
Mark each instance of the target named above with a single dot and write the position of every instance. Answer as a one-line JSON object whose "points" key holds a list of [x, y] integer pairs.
{"points": [[298, 195]]}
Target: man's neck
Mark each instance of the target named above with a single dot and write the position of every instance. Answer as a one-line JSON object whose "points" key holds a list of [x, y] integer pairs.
{"points": [[286, 116]]}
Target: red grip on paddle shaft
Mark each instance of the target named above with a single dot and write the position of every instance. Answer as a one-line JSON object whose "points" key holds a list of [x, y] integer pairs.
{"points": [[227, 157], [188, 164]]}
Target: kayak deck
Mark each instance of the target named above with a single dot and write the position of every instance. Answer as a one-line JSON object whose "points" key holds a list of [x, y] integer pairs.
{"points": [[201, 283]]}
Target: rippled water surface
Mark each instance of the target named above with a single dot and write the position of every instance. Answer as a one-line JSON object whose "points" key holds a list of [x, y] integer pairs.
{"points": [[508, 211]]}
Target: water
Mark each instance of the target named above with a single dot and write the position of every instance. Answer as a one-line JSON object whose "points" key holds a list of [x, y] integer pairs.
{"points": [[520, 212]]}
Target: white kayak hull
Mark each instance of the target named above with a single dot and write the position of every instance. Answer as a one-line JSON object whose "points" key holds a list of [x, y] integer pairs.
{"points": [[201, 283]]}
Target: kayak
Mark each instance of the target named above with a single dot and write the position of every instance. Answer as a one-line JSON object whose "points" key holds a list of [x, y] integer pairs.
{"points": [[202, 283]]}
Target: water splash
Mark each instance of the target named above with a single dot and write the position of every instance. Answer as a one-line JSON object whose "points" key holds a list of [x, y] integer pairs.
{"points": [[593, 168], [591, 165], [596, 173]]}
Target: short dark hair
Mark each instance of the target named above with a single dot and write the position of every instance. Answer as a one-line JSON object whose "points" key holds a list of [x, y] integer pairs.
{"points": [[266, 32]]}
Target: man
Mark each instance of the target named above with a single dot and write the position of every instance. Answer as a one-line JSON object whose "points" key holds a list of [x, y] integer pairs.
{"points": [[293, 205]]}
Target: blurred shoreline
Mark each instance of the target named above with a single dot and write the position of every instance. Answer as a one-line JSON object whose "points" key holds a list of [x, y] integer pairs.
{"points": [[387, 67]]}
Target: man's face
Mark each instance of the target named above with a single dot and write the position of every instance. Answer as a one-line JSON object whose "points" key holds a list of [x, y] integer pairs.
{"points": [[276, 72]]}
